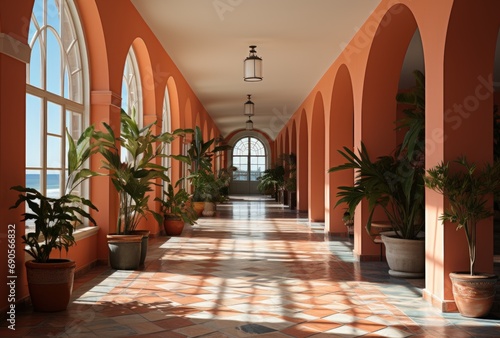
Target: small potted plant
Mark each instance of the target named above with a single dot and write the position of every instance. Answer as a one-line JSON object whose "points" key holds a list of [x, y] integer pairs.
{"points": [[176, 210], [467, 189], [50, 280]]}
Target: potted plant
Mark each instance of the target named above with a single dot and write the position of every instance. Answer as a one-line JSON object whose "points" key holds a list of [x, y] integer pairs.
{"points": [[271, 181], [348, 220], [291, 179], [467, 189], [133, 177], [200, 153], [50, 280], [395, 184], [176, 210]]}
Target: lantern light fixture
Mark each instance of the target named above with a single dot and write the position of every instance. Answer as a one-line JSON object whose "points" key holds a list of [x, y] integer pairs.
{"points": [[248, 107], [252, 66]]}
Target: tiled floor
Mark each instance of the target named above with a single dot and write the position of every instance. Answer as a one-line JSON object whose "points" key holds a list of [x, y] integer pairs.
{"points": [[256, 270]]}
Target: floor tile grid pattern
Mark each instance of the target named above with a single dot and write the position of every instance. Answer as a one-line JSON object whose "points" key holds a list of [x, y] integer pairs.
{"points": [[257, 269]]}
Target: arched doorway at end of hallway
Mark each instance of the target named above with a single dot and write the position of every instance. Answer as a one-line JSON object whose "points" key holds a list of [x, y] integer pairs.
{"points": [[250, 158]]}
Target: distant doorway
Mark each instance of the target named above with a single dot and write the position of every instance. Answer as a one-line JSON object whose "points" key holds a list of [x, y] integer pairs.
{"points": [[249, 158]]}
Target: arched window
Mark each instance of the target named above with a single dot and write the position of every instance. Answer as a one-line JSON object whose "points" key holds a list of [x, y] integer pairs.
{"points": [[131, 87], [55, 93], [166, 127], [131, 93], [249, 158]]}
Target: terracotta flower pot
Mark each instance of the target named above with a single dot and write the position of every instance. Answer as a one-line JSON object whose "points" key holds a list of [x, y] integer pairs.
{"points": [[198, 207], [50, 284], [173, 227], [474, 295]]}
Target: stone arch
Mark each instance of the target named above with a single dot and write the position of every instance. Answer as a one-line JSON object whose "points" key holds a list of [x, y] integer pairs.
{"points": [[378, 106], [341, 134], [382, 78], [148, 94], [317, 169], [302, 163]]}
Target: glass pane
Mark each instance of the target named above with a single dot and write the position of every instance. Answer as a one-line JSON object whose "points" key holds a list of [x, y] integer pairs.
{"points": [[241, 147], [38, 11], [35, 69], [33, 179], [33, 131], [54, 66], [54, 152], [240, 175], [257, 148], [256, 171], [54, 118], [54, 183], [53, 15], [124, 94], [74, 124]]}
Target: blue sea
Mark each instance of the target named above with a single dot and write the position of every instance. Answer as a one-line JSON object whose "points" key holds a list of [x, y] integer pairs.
{"points": [[53, 184]]}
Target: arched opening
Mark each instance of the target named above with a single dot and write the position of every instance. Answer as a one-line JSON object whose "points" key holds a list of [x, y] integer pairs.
{"points": [[341, 134], [317, 169], [249, 158], [302, 163]]}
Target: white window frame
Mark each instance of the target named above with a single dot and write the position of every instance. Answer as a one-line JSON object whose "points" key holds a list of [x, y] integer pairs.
{"points": [[75, 67]]}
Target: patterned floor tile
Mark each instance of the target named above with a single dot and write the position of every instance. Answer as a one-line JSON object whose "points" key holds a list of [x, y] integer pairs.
{"points": [[255, 270]]}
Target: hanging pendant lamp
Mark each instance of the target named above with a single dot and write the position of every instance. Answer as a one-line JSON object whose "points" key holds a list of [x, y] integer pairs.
{"points": [[248, 107], [252, 67]]}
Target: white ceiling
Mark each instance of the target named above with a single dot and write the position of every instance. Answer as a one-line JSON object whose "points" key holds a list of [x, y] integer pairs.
{"points": [[297, 39]]}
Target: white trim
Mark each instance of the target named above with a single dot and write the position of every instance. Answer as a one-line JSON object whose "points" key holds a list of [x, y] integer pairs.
{"points": [[14, 48]]}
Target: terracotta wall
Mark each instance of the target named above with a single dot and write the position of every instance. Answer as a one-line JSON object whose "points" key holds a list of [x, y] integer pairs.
{"points": [[354, 102]]}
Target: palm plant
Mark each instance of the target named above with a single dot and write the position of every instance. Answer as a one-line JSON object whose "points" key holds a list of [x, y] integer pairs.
{"points": [[467, 190], [393, 182], [390, 182], [199, 154], [135, 176], [272, 179]]}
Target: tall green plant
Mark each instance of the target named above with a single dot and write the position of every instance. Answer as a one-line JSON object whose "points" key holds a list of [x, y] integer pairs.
{"points": [[467, 189], [413, 145], [136, 175], [55, 218], [199, 154], [272, 179], [393, 182], [390, 183]]}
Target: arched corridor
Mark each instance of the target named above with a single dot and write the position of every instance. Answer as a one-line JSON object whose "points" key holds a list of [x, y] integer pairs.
{"points": [[256, 269]]}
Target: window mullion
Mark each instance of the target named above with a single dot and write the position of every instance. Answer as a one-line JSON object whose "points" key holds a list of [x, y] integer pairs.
{"points": [[43, 174]]}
